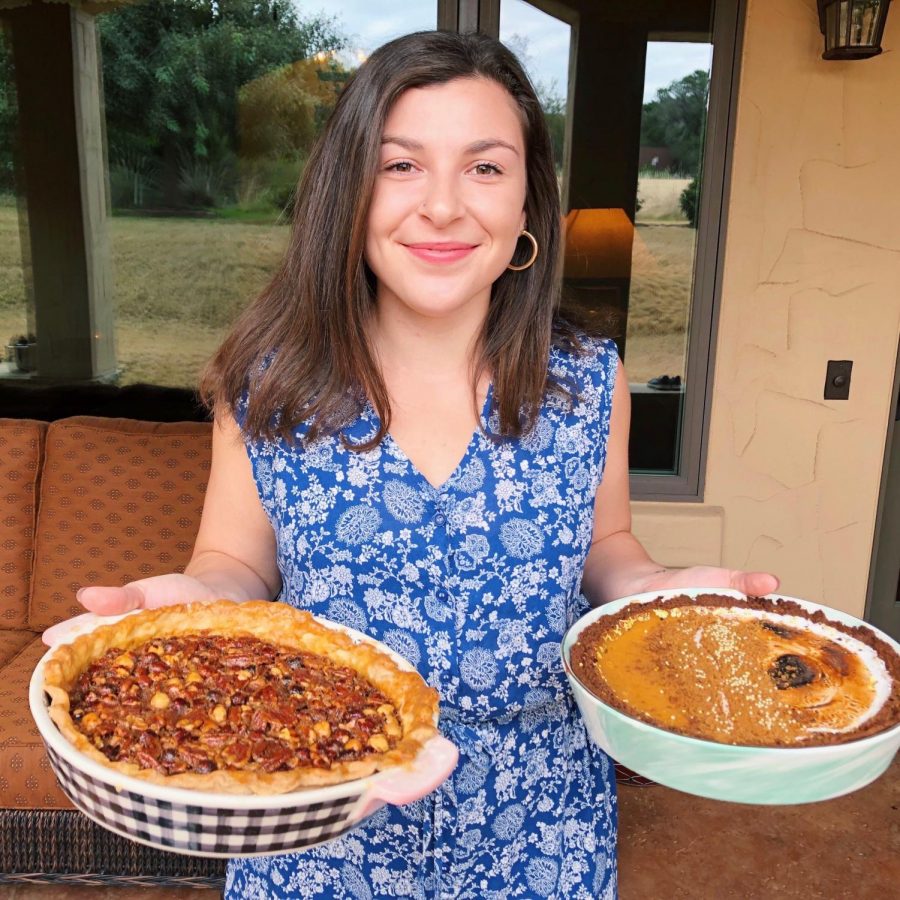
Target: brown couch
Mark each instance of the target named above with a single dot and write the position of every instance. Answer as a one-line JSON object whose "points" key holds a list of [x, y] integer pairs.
{"points": [[85, 500]]}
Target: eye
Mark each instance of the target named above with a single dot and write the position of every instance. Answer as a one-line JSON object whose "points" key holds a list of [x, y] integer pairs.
{"points": [[403, 166], [486, 168]]}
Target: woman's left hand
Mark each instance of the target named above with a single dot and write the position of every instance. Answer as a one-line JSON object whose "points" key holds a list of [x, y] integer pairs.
{"points": [[755, 584]]}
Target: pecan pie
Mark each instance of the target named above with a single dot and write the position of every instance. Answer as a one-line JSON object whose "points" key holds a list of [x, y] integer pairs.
{"points": [[253, 697], [754, 672]]}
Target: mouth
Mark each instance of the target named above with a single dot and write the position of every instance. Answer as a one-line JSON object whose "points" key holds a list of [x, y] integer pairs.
{"points": [[440, 251]]}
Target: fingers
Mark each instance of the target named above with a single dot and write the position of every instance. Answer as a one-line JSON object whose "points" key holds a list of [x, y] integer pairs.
{"points": [[146, 593], [101, 601], [756, 584], [166, 590], [110, 601]]}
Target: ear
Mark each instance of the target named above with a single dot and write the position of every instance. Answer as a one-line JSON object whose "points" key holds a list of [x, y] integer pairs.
{"points": [[522, 221]]}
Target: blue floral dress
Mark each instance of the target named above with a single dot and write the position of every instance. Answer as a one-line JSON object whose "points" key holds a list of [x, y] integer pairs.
{"points": [[475, 583]]}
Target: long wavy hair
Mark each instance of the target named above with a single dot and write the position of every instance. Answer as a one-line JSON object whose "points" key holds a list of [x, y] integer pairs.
{"points": [[310, 323]]}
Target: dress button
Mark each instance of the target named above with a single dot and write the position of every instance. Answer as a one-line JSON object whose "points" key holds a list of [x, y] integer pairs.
{"points": [[442, 594], [441, 519]]}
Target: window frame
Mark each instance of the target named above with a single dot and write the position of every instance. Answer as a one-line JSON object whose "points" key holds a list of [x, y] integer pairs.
{"points": [[689, 481], [687, 484]]}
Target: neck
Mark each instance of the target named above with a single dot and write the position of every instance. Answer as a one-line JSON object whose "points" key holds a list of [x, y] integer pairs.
{"points": [[427, 347]]}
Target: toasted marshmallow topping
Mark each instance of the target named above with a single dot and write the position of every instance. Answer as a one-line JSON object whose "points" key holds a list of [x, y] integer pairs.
{"points": [[736, 675]]}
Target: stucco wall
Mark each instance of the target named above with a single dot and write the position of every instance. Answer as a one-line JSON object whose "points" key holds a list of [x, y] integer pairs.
{"points": [[812, 273]]}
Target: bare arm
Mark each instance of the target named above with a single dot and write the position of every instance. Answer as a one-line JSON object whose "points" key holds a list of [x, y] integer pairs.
{"points": [[617, 565], [234, 554], [616, 562]]}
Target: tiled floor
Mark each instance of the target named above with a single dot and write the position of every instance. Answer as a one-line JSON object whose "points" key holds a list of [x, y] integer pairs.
{"points": [[676, 847]]}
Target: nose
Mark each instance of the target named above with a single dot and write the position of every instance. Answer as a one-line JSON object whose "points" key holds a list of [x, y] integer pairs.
{"points": [[441, 202]]}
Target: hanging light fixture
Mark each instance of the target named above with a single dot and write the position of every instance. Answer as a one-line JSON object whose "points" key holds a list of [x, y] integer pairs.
{"points": [[852, 28]]}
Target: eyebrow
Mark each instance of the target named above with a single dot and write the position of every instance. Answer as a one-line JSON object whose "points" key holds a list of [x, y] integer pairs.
{"points": [[476, 147]]}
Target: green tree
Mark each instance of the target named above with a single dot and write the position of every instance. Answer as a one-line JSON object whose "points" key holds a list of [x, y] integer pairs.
{"points": [[553, 103], [279, 112], [172, 73], [8, 117], [676, 118], [554, 106]]}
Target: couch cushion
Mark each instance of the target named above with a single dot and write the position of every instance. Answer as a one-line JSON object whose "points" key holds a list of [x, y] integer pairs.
{"points": [[26, 778], [119, 500], [11, 642], [20, 451]]}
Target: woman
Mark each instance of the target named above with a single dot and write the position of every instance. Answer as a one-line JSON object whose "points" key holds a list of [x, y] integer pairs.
{"points": [[409, 442]]}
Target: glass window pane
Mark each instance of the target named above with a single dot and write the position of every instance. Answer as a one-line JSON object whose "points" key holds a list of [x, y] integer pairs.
{"points": [[16, 325], [676, 90], [866, 16], [636, 120], [541, 42], [211, 110], [831, 24], [673, 131]]}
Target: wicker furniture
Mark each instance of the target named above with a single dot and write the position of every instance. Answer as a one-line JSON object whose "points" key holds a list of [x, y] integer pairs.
{"points": [[85, 500]]}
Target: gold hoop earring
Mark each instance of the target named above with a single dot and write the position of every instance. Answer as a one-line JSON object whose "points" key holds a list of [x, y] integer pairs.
{"points": [[534, 253]]}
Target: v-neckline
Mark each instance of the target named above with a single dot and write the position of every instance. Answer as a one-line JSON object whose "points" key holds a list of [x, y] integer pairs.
{"points": [[437, 488]]}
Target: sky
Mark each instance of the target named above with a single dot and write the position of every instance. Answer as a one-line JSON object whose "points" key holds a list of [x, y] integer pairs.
{"points": [[369, 23]]}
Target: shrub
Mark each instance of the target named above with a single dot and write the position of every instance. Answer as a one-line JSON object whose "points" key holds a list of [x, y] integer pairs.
{"points": [[688, 201], [133, 182], [204, 184], [270, 181]]}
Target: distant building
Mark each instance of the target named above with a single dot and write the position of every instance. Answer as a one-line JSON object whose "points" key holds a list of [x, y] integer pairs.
{"points": [[657, 158]]}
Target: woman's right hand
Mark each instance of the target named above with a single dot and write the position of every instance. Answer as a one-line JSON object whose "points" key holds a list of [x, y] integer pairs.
{"points": [[146, 593]]}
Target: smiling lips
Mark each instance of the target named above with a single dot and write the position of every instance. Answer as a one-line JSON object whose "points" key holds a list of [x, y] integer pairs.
{"points": [[440, 251]]}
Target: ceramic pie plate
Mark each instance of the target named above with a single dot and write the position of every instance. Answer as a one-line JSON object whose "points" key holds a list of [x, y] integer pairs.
{"points": [[742, 774], [201, 823]]}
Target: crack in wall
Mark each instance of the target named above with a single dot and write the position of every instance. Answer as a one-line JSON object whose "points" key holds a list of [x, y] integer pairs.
{"points": [[841, 527], [855, 241]]}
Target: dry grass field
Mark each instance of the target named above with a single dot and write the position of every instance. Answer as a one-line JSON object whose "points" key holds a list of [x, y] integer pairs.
{"points": [[660, 199], [179, 282]]}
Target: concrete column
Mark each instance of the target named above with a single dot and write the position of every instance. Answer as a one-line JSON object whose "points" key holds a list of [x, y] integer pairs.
{"points": [[56, 56], [604, 115]]}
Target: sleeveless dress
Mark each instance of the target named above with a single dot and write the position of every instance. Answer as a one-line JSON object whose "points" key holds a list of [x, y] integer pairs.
{"points": [[474, 583]]}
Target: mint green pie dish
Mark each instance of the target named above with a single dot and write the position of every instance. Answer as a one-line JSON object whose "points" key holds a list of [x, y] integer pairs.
{"points": [[740, 774]]}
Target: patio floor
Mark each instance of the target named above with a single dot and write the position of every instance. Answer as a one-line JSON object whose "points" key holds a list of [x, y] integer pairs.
{"points": [[672, 846]]}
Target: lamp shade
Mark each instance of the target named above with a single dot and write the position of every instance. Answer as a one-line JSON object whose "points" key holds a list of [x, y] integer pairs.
{"points": [[598, 243], [853, 28]]}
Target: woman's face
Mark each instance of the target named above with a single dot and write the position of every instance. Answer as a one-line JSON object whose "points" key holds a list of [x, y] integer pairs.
{"points": [[448, 204]]}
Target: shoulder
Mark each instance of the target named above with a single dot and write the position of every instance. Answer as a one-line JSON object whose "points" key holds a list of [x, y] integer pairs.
{"points": [[588, 364], [251, 383]]}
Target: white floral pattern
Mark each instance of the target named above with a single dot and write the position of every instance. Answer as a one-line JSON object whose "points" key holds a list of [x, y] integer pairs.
{"points": [[474, 583]]}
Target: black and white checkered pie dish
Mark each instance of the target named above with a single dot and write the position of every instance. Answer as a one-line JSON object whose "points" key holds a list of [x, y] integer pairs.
{"points": [[202, 823]]}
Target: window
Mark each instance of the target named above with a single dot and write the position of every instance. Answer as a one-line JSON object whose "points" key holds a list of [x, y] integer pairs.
{"points": [[200, 199], [16, 331], [194, 121], [640, 100], [166, 209]]}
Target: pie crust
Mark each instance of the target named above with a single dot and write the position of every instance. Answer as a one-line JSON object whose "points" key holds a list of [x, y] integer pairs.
{"points": [[415, 704], [751, 672]]}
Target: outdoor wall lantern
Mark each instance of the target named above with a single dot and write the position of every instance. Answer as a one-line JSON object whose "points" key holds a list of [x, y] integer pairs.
{"points": [[852, 28]]}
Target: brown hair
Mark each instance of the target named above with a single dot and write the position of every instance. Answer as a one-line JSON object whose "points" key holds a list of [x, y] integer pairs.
{"points": [[310, 322]]}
